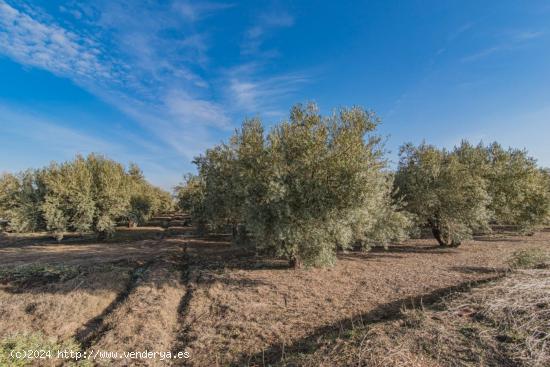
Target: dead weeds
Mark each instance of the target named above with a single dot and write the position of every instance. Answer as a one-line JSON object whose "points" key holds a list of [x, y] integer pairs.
{"points": [[502, 323], [226, 305]]}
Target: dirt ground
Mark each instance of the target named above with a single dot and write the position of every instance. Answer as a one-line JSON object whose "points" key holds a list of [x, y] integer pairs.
{"points": [[221, 304], [504, 322]]}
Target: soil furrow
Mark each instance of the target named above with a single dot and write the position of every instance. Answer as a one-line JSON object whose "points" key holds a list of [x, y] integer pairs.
{"points": [[94, 328], [147, 320], [184, 325]]}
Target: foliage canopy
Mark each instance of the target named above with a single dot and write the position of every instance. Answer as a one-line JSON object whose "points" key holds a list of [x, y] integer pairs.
{"points": [[86, 194], [468, 188], [310, 185]]}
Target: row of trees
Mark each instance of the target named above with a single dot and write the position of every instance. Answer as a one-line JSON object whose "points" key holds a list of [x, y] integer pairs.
{"points": [[460, 191], [83, 195], [315, 184]]}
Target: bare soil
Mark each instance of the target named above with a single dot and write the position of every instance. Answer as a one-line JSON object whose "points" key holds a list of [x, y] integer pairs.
{"points": [[162, 290], [505, 322]]}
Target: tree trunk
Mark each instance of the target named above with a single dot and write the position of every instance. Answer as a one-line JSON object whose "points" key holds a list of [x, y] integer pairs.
{"points": [[234, 232], [103, 236], [442, 242], [296, 262]]}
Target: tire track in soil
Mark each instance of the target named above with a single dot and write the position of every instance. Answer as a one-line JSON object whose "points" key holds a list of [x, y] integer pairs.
{"points": [[184, 325], [144, 278], [147, 318], [92, 330]]}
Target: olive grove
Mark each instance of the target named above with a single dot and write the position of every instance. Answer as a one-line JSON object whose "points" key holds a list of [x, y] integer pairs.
{"points": [[460, 191], [83, 195], [315, 184]]}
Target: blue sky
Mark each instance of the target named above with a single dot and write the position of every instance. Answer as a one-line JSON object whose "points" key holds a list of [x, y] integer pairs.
{"points": [[156, 82]]}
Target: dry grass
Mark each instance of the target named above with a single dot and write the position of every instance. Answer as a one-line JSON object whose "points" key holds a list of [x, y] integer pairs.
{"points": [[518, 310], [56, 300], [254, 311], [229, 306], [503, 323], [147, 319]]}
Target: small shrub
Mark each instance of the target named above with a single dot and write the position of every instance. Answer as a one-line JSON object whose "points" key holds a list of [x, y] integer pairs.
{"points": [[529, 259]]}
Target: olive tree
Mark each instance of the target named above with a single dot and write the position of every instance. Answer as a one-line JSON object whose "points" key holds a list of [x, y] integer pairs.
{"points": [[545, 172], [69, 203], [85, 194], [140, 204], [223, 194], [190, 196], [518, 188], [9, 187], [443, 191], [110, 191], [21, 198], [309, 186]]}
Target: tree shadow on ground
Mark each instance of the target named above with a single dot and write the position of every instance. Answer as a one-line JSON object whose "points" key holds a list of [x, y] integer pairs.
{"points": [[477, 270], [421, 249], [497, 238], [64, 279], [275, 353], [367, 256], [93, 329]]}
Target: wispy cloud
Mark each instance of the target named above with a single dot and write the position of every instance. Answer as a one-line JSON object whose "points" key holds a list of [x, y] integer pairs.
{"points": [[459, 31], [150, 60], [52, 47], [194, 11], [510, 41], [254, 94], [188, 110], [263, 26], [141, 73]]}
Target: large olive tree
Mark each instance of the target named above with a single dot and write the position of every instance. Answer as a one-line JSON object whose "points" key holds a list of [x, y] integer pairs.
{"points": [[21, 198], [311, 185], [69, 203], [444, 191], [85, 194], [517, 187]]}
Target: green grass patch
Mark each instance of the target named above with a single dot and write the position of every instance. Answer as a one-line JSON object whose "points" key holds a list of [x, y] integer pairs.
{"points": [[22, 350], [530, 259]]}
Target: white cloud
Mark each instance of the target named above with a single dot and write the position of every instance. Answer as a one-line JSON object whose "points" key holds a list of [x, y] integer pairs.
{"points": [[194, 11], [264, 24], [512, 41], [152, 85], [50, 47], [147, 61], [249, 91], [191, 111]]}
